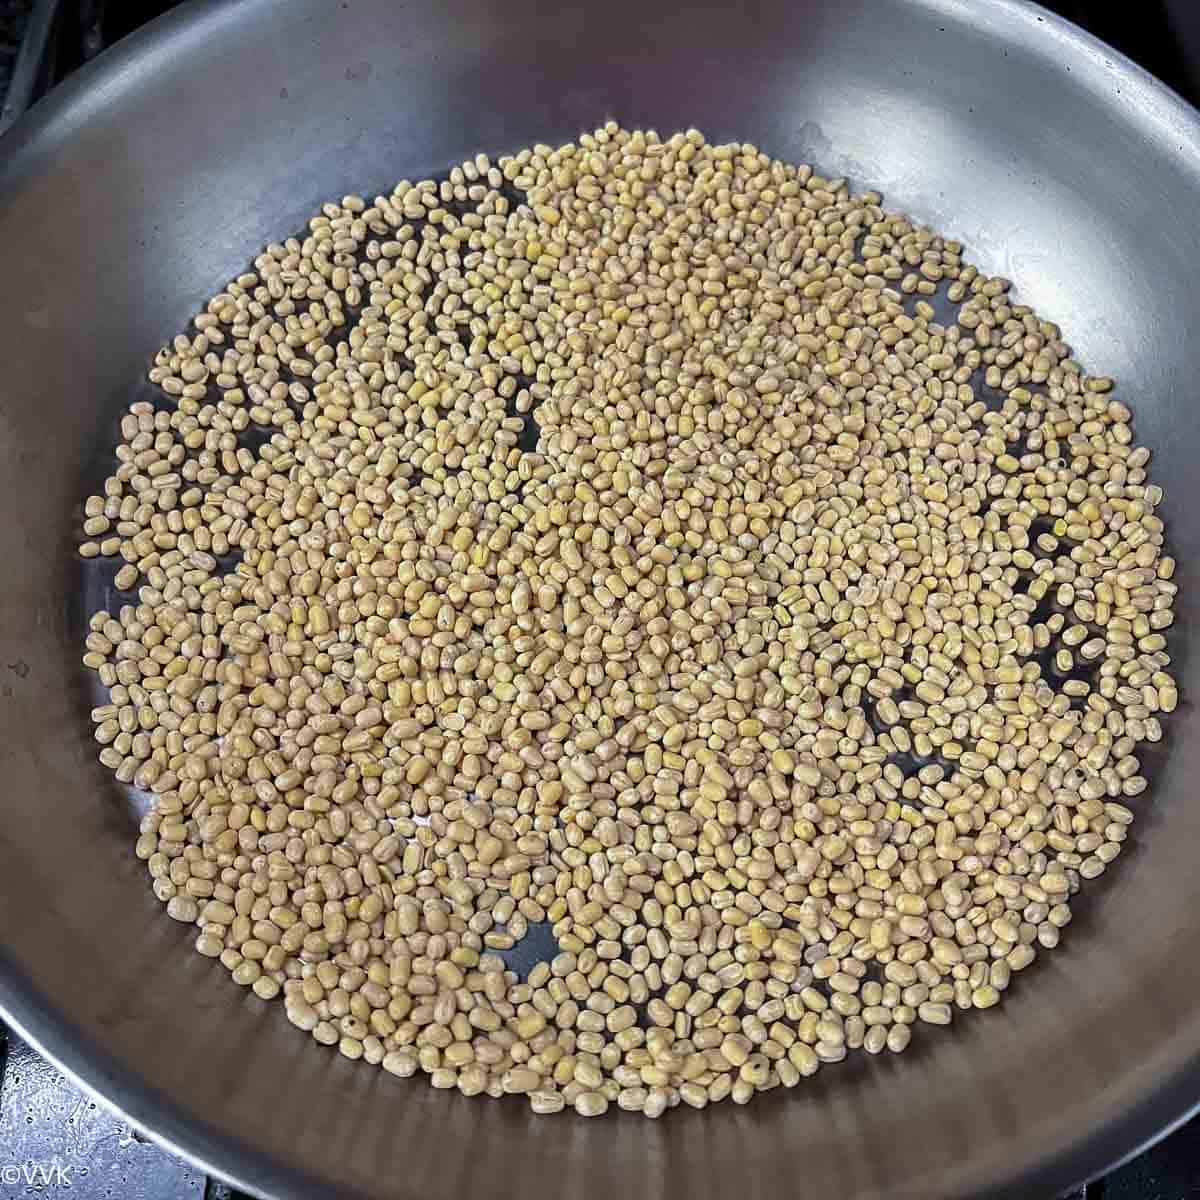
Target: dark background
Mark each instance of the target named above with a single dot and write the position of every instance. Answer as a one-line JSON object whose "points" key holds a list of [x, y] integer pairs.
{"points": [[1162, 35]]}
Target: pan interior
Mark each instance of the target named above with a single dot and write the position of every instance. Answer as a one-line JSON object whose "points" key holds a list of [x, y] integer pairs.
{"points": [[138, 188]]}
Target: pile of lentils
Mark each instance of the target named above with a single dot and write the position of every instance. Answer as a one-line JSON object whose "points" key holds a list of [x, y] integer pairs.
{"points": [[611, 537]]}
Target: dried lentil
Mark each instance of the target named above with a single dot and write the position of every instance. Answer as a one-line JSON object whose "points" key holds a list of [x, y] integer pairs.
{"points": [[655, 677]]}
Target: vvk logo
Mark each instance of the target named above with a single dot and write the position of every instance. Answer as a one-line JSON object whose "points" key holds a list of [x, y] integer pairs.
{"points": [[35, 1175]]}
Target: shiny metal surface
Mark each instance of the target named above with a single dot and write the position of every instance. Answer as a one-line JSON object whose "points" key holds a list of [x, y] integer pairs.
{"points": [[143, 183], [52, 1137]]}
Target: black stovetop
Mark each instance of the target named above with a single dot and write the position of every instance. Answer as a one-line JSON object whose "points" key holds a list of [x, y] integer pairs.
{"points": [[55, 1139]]}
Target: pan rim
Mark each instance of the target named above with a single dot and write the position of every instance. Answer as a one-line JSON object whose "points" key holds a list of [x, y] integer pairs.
{"points": [[1160, 1108]]}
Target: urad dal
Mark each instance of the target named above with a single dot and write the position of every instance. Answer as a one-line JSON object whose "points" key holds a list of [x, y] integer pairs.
{"points": [[626, 546]]}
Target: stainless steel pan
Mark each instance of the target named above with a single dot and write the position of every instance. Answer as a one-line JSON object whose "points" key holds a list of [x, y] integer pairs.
{"points": [[141, 185]]}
